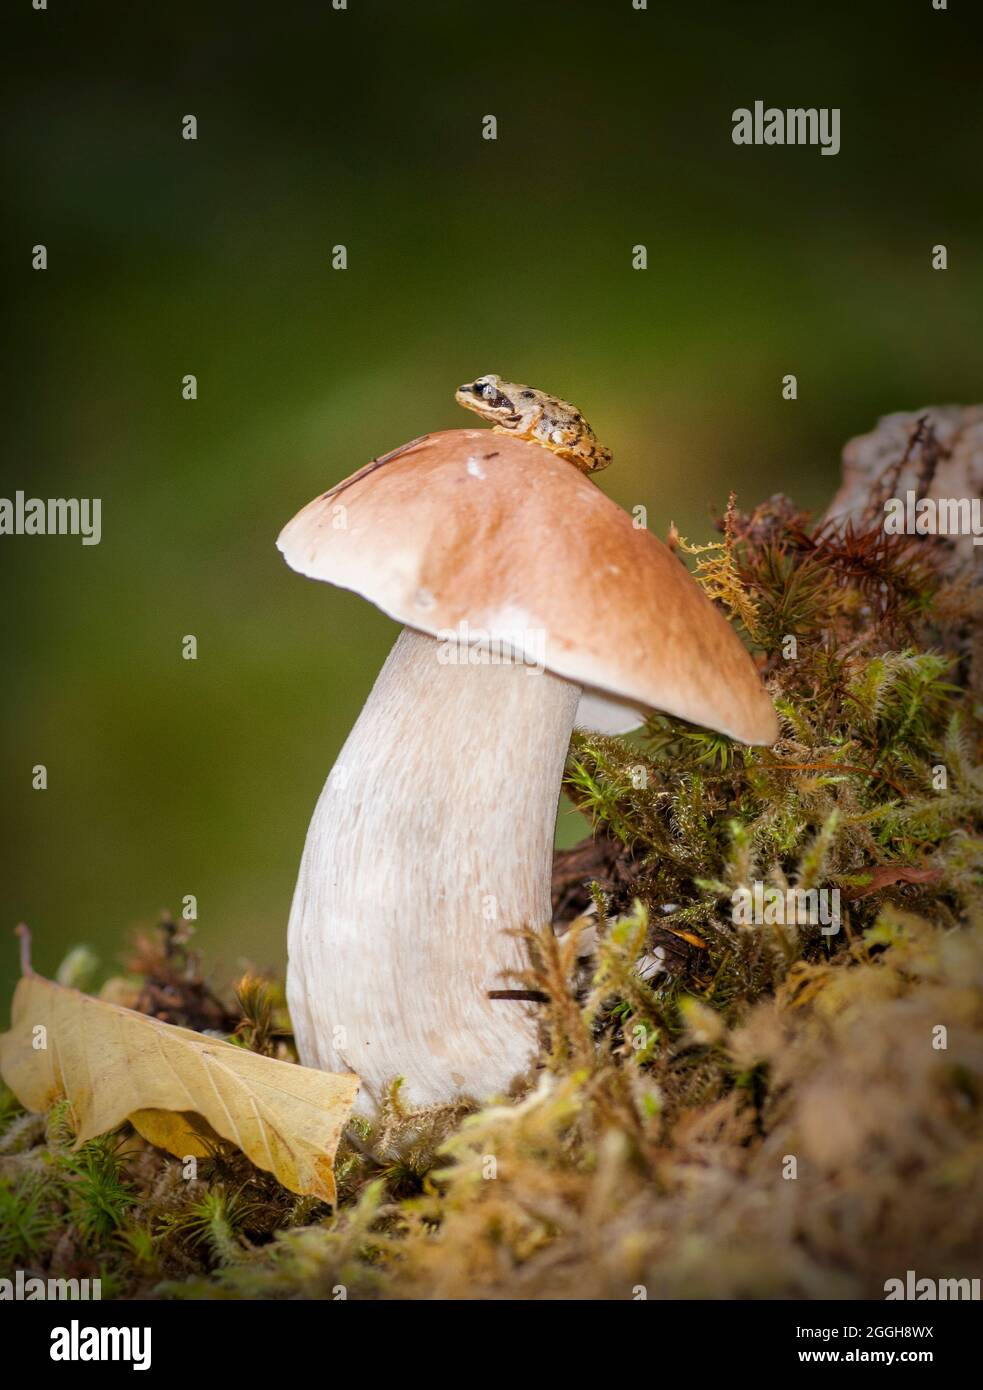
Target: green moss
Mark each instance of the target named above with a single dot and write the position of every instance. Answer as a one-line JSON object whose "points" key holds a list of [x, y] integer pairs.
{"points": [[654, 1147]]}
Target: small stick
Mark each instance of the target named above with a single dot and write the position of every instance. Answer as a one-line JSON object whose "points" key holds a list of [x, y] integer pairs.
{"points": [[840, 767], [371, 467], [890, 478], [535, 996], [24, 932]]}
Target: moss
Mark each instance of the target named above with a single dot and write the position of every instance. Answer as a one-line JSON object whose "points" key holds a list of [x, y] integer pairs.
{"points": [[755, 1110]]}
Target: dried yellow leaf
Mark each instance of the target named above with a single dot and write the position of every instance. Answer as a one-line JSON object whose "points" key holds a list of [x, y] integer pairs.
{"points": [[177, 1088]]}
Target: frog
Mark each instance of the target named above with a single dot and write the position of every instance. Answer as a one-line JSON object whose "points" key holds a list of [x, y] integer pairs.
{"points": [[537, 416]]}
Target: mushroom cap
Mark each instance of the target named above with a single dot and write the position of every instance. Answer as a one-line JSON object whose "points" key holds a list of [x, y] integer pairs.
{"points": [[498, 534]]}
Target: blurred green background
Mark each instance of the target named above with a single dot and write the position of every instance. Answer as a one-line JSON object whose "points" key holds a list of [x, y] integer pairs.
{"points": [[363, 127]]}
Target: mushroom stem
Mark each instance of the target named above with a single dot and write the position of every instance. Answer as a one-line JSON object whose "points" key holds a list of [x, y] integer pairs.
{"points": [[431, 842]]}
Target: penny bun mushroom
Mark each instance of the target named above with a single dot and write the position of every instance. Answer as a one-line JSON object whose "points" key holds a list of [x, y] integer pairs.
{"points": [[530, 604]]}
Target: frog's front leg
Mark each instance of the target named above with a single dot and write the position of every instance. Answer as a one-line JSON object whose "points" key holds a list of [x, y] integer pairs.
{"points": [[525, 426]]}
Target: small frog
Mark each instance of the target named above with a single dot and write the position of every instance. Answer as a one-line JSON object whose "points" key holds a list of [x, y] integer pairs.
{"points": [[534, 415]]}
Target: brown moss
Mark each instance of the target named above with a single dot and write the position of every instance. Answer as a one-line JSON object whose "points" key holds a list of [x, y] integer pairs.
{"points": [[756, 1111]]}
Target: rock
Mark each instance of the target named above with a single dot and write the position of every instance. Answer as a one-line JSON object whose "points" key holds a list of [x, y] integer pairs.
{"points": [[937, 452]]}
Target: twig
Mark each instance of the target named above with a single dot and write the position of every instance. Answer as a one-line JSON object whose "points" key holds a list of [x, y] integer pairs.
{"points": [[840, 767], [24, 932], [534, 996]]}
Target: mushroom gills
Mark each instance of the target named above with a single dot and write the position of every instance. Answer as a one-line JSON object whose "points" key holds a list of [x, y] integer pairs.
{"points": [[431, 841]]}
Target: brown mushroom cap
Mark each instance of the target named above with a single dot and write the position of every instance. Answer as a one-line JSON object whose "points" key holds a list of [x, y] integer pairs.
{"points": [[467, 526]]}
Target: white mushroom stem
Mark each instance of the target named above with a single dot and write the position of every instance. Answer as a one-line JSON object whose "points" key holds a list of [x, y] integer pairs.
{"points": [[431, 841]]}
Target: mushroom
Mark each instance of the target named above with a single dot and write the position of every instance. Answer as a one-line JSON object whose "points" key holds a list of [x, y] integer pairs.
{"points": [[531, 603]]}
